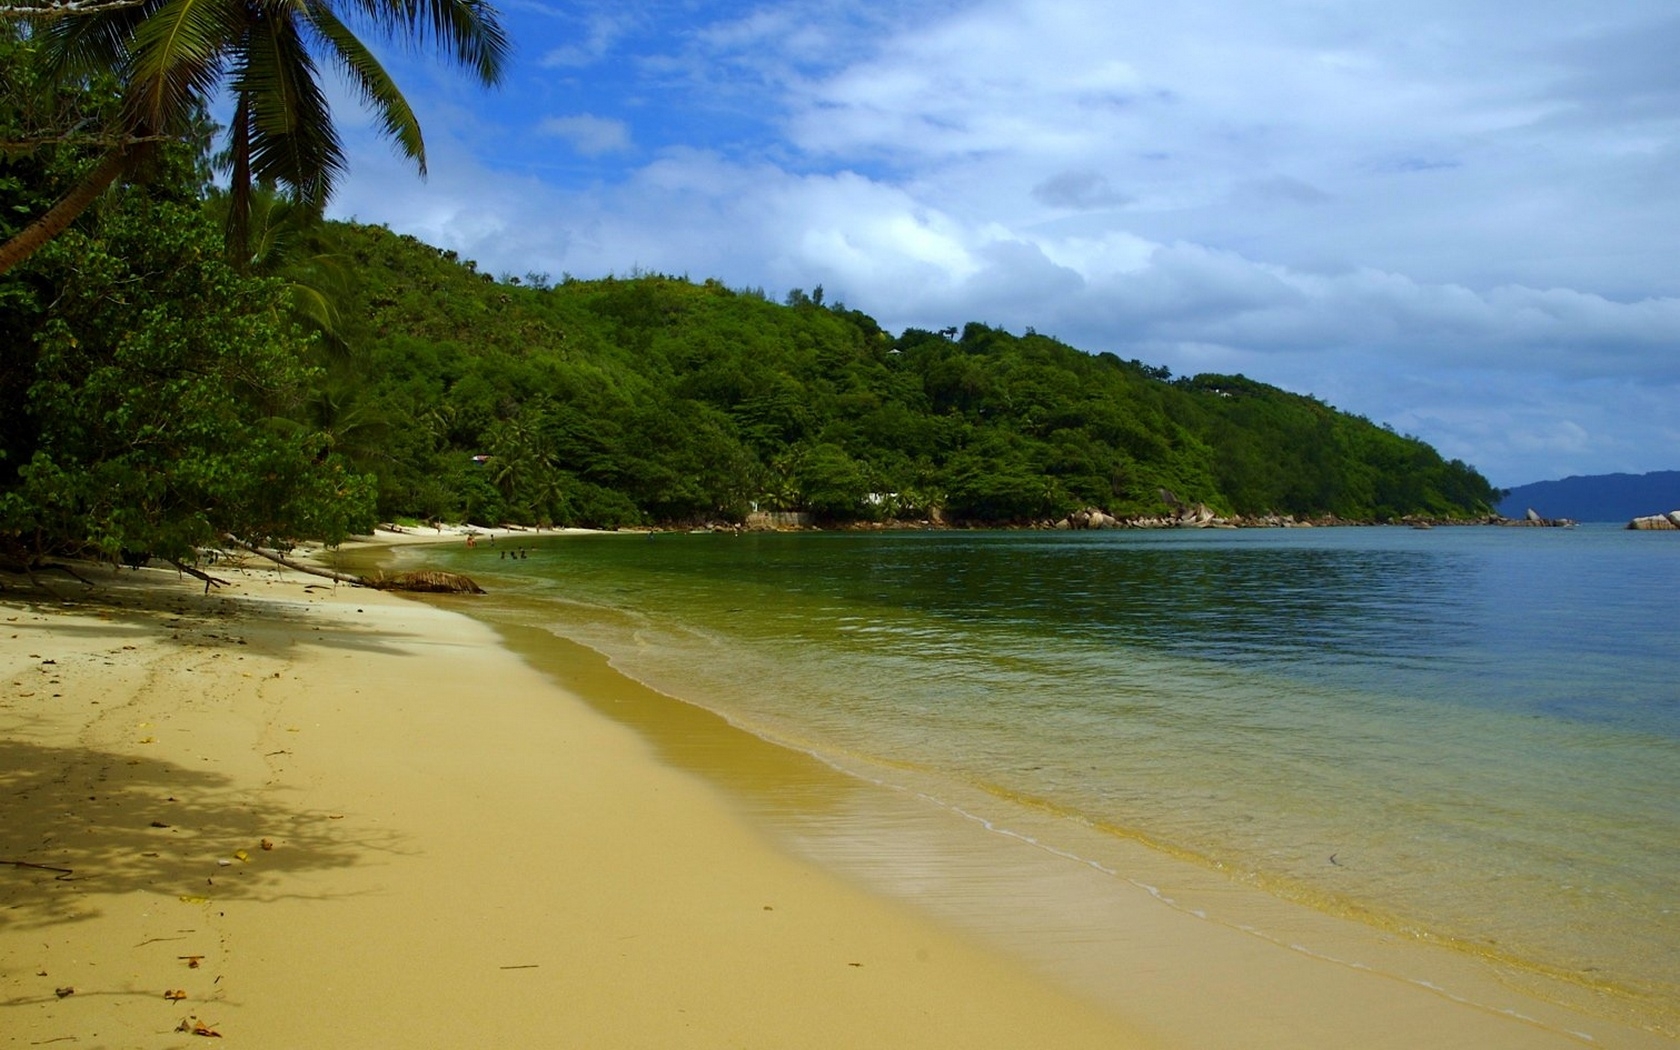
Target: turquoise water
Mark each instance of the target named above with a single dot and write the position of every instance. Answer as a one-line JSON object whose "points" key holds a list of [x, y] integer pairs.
{"points": [[1472, 734]]}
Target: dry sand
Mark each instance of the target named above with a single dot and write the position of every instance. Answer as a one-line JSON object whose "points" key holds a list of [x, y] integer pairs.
{"points": [[466, 854], [462, 854]]}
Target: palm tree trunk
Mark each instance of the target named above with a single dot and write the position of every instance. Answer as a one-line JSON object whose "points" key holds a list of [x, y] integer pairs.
{"points": [[239, 186], [59, 217]]}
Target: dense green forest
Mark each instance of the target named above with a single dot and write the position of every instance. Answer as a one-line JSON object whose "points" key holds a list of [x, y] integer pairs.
{"points": [[159, 391], [656, 399]]}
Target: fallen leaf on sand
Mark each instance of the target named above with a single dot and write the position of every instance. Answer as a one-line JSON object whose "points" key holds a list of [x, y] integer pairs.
{"points": [[240, 854], [175, 995], [189, 899], [148, 740], [197, 1027]]}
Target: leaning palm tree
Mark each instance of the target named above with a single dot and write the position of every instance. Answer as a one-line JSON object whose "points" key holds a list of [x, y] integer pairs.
{"points": [[173, 55]]}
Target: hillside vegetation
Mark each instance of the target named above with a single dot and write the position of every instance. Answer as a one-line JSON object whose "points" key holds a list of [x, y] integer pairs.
{"points": [[655, 399]]}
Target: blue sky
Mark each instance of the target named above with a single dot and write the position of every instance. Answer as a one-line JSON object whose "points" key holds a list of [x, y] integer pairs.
{"points": [[1458, 218]]}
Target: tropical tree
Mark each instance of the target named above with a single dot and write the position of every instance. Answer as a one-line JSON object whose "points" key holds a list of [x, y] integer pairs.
{"points": [[282, 240], [171, 57], [151, 409]]}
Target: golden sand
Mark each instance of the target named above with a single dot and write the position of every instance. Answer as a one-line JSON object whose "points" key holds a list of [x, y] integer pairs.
{"points": [[459, 853]]}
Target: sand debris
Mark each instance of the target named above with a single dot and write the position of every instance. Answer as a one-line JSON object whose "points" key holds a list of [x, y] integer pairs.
{"points": [[197, 1027]]}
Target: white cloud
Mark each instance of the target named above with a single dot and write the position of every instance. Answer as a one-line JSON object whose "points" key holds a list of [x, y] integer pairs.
{"points": [[590, 135], [600, 31]]}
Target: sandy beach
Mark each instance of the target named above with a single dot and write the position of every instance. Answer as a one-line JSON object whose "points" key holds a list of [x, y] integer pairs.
{"points": [[300, 816], [293, 814]]}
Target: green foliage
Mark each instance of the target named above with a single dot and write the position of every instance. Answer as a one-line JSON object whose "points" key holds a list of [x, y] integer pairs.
{"points": [[655, 399], [151, 396]]}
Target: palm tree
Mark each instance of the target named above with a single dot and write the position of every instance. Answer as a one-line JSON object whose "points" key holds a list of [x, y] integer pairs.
{"points": [[281, 240], [172, 55]]}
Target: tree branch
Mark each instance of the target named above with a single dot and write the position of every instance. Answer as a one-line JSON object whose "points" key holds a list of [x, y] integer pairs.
{"points": [[200, 574], [432, 581], [281, 559], [24, 147], [63, 8]]}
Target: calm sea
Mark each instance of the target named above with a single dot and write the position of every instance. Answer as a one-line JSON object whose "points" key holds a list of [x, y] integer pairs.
{"points": [[1472, 734]]}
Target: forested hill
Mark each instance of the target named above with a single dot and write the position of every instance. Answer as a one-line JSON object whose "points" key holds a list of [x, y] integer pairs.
{"points": [[654, 399]]}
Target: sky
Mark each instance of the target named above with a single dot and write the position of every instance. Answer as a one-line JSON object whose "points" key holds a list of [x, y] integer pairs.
{"points": [[1457, 218]]}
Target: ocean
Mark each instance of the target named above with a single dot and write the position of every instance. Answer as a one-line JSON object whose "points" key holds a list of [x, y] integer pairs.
{"points": [[1467, 735]]}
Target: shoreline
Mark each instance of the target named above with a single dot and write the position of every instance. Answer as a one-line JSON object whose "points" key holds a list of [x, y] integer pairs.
{"points": [[1090, 520], [447, 863], [520, 834], [1356, 963]]}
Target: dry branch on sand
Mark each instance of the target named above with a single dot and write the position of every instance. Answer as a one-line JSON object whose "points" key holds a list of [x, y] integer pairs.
{"points": [[432, 581]]}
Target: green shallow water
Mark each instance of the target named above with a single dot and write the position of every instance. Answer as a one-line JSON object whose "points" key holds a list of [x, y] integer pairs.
{"points": [[1469, 734]]}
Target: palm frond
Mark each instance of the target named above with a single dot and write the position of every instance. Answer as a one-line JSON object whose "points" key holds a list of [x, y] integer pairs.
{"points": [[467, 32], [292, 138], [176, 56], [377, 88], [80, 47]]}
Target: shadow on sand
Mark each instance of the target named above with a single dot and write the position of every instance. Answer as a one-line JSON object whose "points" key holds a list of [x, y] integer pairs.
{"points": [[78, 824]]}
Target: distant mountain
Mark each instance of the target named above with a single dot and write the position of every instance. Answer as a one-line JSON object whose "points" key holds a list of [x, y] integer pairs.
{"points": [[1599, 497]]}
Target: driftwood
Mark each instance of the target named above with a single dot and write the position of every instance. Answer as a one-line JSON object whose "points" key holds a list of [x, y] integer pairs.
{"points": [[199, 574], [432, 581]]}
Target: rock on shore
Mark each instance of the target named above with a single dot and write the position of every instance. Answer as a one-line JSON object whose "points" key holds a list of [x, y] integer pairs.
{"points": [[1656, 522]]}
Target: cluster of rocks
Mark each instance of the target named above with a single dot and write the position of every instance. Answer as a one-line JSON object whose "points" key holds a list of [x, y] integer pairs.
{"points": [[1193, 516], [1656, 522], [1533, 520]]}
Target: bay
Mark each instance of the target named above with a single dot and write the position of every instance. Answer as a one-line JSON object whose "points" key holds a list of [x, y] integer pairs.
{"points": [[1468, 734]]}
